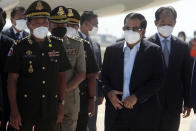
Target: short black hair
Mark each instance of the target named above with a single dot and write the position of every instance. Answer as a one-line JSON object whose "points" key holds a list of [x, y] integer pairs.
{"points": [[4, 15], [14, 10], [139, 17], [87, 16], [162, 9]]}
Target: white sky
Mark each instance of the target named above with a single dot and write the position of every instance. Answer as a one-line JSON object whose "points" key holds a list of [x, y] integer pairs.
{"points": [[186, 20]]}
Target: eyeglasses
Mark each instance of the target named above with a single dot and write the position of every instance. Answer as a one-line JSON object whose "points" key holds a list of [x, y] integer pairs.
{"points": [[133, 28]]}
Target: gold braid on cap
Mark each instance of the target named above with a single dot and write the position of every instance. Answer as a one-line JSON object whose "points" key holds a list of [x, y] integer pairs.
{"points": [[73, 20], [38, 13]]}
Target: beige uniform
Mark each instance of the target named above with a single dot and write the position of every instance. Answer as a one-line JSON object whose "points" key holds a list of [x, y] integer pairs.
{"points": [[76, 55]]}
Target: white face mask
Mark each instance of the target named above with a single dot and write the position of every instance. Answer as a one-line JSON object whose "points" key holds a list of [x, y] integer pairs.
{"points": [[72, 31], [40, 32], [165, 30], [93, 32], [21, 24], [131, 37]]}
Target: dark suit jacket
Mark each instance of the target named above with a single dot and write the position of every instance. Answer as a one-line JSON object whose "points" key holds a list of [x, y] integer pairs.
{"points": [[178, 76], [10, 33], [97, 53], [146, 81], [5, 44]]}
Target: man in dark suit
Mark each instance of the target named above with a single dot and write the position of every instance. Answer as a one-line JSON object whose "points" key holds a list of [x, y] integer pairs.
{"points": [[5, 44], [132, 75], [93, 20], [176, 91], [88, 28], [17, 30]]}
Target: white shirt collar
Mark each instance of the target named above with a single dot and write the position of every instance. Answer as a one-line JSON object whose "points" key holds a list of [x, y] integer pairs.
{"points": [[135, 47], [21, 32], [83, 35]]}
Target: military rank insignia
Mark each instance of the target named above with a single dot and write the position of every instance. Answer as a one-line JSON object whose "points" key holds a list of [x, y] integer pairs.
{"points": [[11, 51], [53, 53], [72, 51]]}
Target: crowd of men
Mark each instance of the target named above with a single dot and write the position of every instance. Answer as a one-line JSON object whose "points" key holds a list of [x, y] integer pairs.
{"points": [[56, 82]]}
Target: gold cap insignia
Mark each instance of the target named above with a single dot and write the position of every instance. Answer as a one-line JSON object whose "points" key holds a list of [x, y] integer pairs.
{"points": [[70, 13], [39, 6], [28, 52], [61, 11]]}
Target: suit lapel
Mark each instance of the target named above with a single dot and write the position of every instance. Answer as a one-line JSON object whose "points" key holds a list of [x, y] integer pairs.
{"points": [[155, 39], [12, 32], [138, 59], [172, 56], [121, 64]]}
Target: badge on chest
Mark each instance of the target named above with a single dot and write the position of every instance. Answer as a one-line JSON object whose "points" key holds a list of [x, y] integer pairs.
{"points": [[72, 51], [53, 54]]}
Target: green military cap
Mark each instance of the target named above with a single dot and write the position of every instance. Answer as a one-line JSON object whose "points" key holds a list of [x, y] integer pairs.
{"points": [[73, 16], [38, 8], [59, 15]]}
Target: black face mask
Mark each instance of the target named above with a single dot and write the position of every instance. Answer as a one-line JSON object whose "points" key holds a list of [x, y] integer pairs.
{"points": [[1, 25], [59, 31]]}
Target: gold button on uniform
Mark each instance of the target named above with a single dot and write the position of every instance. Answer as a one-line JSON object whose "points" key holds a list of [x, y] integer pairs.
{"points": [[25, 95], [56, 96], [43, 82], [43, 68], [55, 60], [43, 54], [43, 96]]}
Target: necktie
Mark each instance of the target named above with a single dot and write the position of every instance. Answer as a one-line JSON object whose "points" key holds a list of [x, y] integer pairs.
{"points": [[17, 36], [166, 52]]}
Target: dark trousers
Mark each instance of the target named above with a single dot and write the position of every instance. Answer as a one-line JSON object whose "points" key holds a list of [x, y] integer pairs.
{"points": [[83, 117], [131, 120], [93, 120], [40, 125], [169, 122]]}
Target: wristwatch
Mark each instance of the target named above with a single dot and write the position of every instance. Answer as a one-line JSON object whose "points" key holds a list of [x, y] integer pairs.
{"points": [[61, 102], [92, 97]]}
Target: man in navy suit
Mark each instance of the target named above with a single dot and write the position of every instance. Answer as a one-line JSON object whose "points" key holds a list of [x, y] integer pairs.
{"points": [[17, 30], [132, 75], [175, 95]]}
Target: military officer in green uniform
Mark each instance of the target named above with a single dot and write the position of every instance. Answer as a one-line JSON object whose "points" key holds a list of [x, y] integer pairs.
{"points": [[75, 53], [88, 86], [37, 78]]}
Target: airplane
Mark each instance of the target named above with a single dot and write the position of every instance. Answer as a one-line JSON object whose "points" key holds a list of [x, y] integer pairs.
{"points": [[102, 8]]}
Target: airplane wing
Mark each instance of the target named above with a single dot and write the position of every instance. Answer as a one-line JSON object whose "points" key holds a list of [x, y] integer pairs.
{"points": [[101, 7]]}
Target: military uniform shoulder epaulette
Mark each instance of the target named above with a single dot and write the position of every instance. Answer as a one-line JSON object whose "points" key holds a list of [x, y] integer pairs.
{"points": [[85, 41], [58, 38], [75, 38]]}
